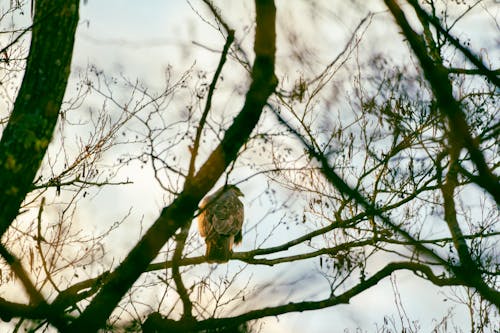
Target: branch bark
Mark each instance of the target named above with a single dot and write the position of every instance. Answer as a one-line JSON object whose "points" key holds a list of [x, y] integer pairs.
{"points": [[36, 109], [176, 274]]}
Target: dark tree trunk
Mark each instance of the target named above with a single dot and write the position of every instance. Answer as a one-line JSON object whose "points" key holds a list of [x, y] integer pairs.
{"points": [[36, 109]]}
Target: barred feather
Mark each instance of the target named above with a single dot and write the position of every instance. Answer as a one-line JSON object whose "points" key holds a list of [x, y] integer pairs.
{"points": [[220, 222]]}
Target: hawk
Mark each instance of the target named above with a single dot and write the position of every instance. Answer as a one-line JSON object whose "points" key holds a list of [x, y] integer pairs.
{"points": [[220, 222]]}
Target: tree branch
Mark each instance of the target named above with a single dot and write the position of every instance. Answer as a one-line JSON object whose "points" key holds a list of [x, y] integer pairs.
{"points": [[208, 104], [470, 71], [490, 74], [181, 289], [156, 322], [35, 297], [459, 131]]}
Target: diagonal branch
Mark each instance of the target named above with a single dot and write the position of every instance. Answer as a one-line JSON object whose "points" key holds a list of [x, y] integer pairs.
{"points": [[38, 305], [208, 105], [459, 137], [181, 210], [36, 297], [492, 75], [459, 130], [370, 209]]}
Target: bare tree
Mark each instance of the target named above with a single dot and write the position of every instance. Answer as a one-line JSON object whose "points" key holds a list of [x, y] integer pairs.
{"points": [[360, 168]]}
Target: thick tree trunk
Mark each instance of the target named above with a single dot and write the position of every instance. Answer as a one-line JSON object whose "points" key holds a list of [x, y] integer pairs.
{"points": [[36, 109]]}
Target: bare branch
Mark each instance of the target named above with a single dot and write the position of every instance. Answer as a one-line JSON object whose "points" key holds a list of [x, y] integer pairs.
{"points": [[158, 323], [182, 208]]}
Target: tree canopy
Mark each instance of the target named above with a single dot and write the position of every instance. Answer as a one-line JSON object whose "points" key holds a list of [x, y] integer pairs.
{"points": [[365, 138]]}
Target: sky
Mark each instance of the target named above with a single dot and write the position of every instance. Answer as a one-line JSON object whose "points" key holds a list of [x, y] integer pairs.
{"points": [[143, 39], [139, 40]]}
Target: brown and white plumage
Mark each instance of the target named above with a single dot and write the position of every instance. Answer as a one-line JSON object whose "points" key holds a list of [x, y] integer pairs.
{"points": [[220, 222]]}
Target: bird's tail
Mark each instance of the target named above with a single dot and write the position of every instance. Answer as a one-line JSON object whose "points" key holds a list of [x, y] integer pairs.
{"points": [[218, 249]]}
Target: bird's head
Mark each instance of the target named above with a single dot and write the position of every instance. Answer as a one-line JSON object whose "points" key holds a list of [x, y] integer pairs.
{"points": [[235, 190]]}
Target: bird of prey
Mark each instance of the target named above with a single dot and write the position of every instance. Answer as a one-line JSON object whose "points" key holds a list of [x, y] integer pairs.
{"points": [[220, 222]]}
